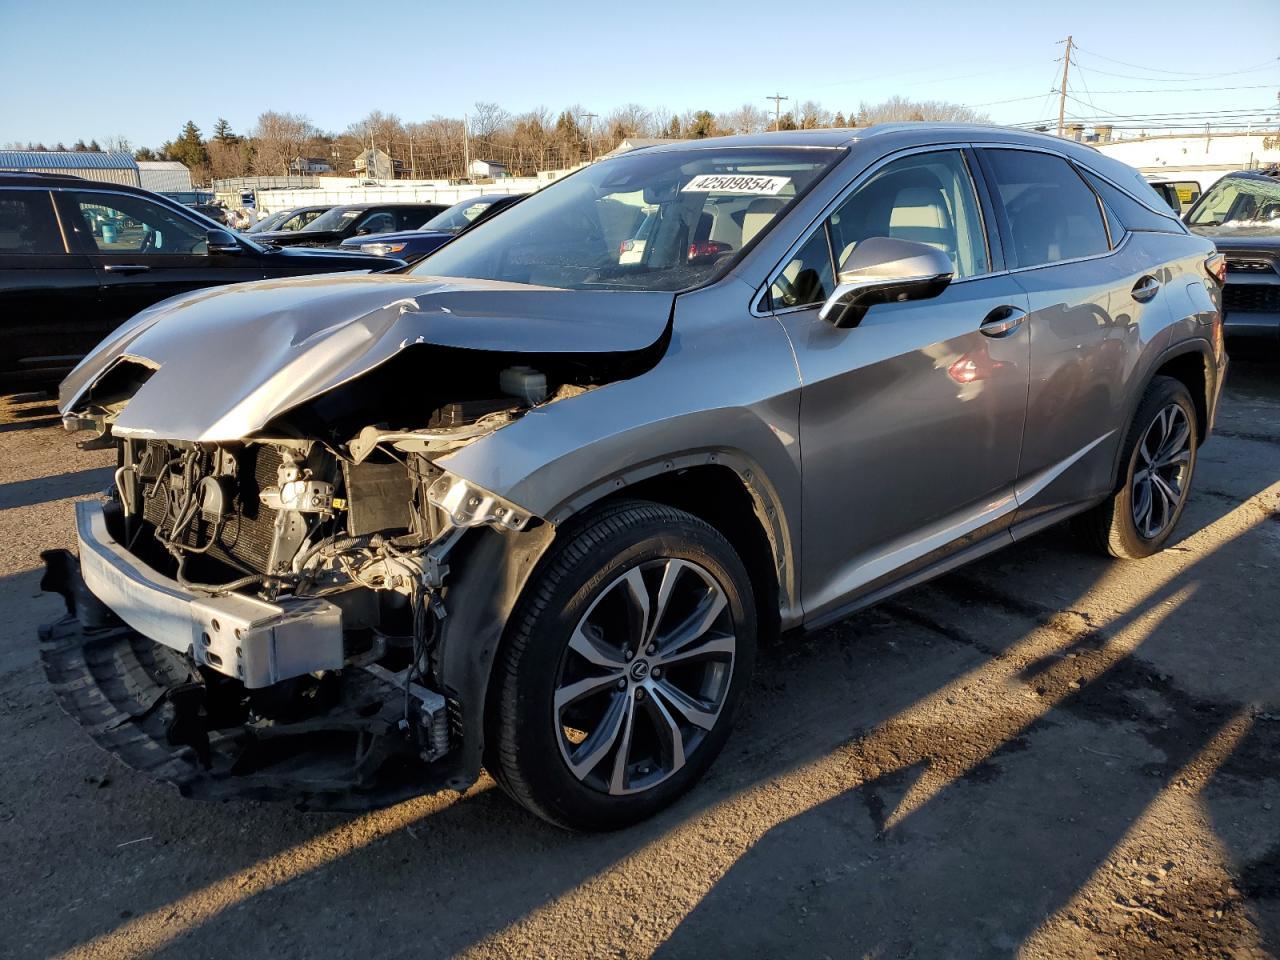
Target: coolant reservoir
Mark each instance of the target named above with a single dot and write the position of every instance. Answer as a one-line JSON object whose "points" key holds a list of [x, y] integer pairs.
{"points": [[525, 383]]}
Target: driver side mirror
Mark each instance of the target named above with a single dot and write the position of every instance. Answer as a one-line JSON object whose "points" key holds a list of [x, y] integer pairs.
{"points": [[221, 241], [885, 270]]}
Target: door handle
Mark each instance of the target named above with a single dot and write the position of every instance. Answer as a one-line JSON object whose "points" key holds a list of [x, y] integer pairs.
{"points": [[1001, 321], [126, 268], [1146, 288]]}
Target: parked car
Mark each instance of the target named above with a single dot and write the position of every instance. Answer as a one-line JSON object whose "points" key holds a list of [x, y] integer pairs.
{"points": [[78, 258], [1241, 214], [293, 219], [413, 245], [1180, 195], [354, 220], [212, 211], [531, 504]]}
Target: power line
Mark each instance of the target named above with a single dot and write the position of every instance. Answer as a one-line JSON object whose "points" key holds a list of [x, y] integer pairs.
{"points": [[1184, 73], [1208, 76]]}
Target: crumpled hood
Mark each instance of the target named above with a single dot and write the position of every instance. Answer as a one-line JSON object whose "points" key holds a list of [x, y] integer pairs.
{"points": [[229, 359]]}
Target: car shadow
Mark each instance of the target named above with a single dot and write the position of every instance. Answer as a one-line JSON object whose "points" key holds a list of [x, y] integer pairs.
{"points": [[25, 493]]}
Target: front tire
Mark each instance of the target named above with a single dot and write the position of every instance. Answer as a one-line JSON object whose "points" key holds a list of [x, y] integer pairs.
{"points": [[1159, 461], [622, 667]]}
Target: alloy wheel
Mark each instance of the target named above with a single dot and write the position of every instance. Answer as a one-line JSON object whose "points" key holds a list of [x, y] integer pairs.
{"points": [[645, 676], [1161, 472]]}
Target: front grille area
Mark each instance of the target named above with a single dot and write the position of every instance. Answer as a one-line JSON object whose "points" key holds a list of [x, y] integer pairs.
{"points": [[1251, 265], [244, 539], [1251, 298]]}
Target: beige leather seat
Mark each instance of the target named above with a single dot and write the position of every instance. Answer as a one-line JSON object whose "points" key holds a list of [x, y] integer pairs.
{"points": [[757, 217]]}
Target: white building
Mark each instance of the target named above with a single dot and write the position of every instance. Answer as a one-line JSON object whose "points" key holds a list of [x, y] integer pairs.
{"points": [[487, 169], [1204, 157]]}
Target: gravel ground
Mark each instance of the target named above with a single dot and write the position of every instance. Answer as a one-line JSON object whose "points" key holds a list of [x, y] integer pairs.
{"points": [[1044, 755]]}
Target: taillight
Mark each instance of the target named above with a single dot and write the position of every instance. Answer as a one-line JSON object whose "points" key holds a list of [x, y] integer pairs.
{"points": [[1216, 267], [707, 249]]}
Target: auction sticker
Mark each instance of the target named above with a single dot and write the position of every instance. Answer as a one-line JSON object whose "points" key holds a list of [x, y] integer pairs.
{"points": [[736, 183]]}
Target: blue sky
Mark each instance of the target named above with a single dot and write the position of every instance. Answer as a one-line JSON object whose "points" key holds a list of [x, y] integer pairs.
{"points": [[141, 69]]}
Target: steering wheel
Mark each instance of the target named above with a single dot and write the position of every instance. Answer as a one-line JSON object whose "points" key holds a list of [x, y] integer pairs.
{"points": [[790, 296], [148, 244]]}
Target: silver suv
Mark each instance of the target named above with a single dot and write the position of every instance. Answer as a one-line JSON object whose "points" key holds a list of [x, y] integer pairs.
{"points": [[532, 503]]}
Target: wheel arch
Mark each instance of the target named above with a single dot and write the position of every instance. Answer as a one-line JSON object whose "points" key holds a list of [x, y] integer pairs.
{"points": [[490, 568], [1190, 362]]}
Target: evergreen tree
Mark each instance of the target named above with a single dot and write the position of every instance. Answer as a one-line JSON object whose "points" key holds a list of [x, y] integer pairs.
{"points": [[222, 132], [189, 148]]}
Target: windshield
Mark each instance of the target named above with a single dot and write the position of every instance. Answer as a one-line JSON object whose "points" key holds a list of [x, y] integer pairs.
{"points": [[665, 220], [268, 223], [458, 216], [335, 219], [1239, 201]]}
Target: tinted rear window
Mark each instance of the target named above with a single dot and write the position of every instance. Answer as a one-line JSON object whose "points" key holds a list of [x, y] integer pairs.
{"points": [[1051, 213], [27, 223]]}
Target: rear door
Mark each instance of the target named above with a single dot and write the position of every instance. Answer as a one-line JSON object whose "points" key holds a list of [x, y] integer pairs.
{"points": [[145, 251], [49, 296], [910, 423], [1095, 302]]}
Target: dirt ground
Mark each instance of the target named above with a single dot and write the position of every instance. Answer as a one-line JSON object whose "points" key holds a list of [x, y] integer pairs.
{"points": [[1044, 755]]}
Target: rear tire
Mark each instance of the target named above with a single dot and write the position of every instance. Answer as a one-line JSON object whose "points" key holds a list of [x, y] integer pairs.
{"points": [[637, 634], [1157, 464]]}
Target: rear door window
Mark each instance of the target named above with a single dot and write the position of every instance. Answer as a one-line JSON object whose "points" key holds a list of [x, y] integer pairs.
{"points": [[1050, 213], [28, 224]]}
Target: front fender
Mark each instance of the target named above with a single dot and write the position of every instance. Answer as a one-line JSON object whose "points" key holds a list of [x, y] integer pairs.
{"points": [[489, 569]]}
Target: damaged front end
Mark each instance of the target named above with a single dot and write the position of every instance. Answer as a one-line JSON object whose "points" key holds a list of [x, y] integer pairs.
{"points": [[262, 615]]}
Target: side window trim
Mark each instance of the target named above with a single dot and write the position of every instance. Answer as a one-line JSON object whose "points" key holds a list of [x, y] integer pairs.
{"points": [[987, 208], [761, 301], [1006, 235]]}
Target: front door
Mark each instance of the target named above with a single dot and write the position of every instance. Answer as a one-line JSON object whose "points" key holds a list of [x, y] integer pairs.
{"points": [[911, 422], [145, 252], [49, 296]]}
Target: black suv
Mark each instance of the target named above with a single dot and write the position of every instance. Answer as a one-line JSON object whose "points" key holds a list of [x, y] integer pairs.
{"points": [[1241, 214], [355, 220], [79, 257]]}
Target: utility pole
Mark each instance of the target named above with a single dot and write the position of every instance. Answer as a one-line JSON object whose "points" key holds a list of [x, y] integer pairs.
{"points": [[413, 167], [1062, 94], [466, 147], [589, 117], [777, 109]]}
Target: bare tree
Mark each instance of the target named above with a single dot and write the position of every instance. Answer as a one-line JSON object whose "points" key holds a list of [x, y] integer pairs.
{"points": [[897, 109], [748, 118], [631, 120], [488, 119], [118, 143], [813, 115], [277, 139]]}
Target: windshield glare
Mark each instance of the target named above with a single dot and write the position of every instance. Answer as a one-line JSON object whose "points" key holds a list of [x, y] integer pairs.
{"points": [[334, 219], [457, 216], [1239, 201], [666, 220]]}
